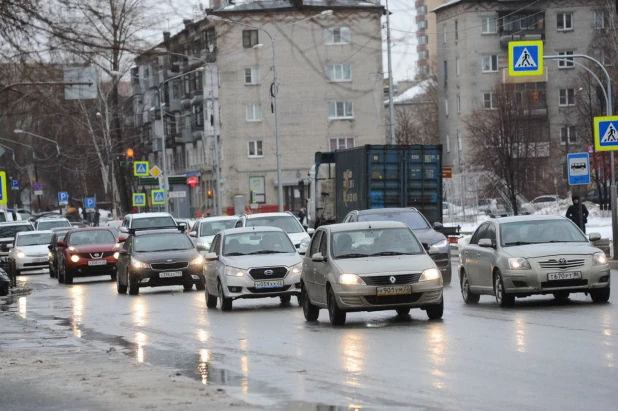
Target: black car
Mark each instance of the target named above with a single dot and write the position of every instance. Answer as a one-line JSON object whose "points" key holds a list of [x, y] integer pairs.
{"points": [[159, 257], [59, 235], [430, 238]]}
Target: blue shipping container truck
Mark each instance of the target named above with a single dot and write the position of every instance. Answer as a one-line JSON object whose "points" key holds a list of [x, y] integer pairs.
{"points": [[377, 176]]}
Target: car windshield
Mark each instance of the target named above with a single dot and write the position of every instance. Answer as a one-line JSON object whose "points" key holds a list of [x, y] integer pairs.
{"points": [[11, 230], [47, 225], [412, 219], [92, 237], [289, 224], [34, 239], [374, 242], [257, 242], [153, 222], [540, 232], [162, 242], [210, 228]]}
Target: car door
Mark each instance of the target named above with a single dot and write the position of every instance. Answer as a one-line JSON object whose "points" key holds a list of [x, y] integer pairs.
{"points": [[486, 258], [213, 267], [61, 250], [309, 265], [472, 254], [321, 270]]}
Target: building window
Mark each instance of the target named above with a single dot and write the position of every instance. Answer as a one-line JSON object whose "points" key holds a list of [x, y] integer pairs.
{"points": [[458, 103], [197, 81], [445, 72], [567, 97], [422, 40], [565, 21], [448, 144], [446, 107], [489, 25], [459, 142], [421, 10], [488, 101], [457, 66], [252, 76], [422, 25], [249, 38], [568, 135], [490, 63], [339, 72], [341, 143], [255, 149], [423, 55], [606, 58], [253, 112], [340, 110], [599, 20], [199, 115], [444, 34], [176, 87], [567, 62], [187, 81], [338, 35], [456, 30]]}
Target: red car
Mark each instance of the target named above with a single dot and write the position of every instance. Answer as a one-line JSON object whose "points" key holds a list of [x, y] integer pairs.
{"points": [[87, 252]]}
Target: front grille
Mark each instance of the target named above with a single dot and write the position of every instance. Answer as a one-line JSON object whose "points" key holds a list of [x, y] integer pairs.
{"points": [[393, 299], [92, 255], [386, 279], [45, 264], [104, 269], [268, 290], [564, 283], [562, 265], [260, 273], [170, 266]]}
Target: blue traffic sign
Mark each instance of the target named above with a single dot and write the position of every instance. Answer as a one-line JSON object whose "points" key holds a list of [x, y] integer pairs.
{"points": [[90, 203], [526, 58], [37, 186], [139, 199], [606, 133], [63, 197], [14, 184], [578, 165]]}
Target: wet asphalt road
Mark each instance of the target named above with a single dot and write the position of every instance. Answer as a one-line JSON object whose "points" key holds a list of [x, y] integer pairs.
{"points": [[537, 355]]}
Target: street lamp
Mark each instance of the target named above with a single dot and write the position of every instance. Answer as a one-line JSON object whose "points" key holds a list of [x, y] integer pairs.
{"points": [[104, 172], [275, 91], [38, 136], [36, 171]]}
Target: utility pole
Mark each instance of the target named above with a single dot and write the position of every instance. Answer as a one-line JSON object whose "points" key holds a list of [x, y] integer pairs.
{"points": [[391, 103]]}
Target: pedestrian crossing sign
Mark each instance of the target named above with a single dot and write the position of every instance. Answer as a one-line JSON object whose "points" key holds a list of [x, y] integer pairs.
{"points": [[139, 199], [3, 197], [140, 168], [526, 58], [606, 133], [158, 197]]}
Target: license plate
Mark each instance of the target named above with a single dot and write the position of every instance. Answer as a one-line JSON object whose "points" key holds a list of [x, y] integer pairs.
{"points": [[170, 274], [269, 284], [567, 275], [397, 290], [40, 260], [97, 262]]}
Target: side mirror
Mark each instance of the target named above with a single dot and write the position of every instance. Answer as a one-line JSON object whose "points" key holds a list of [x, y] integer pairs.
{"points": [[211, 257], [433, 250], [437, 225], [123, 252], [193, 234], [60, 243], [318, 258], [594, 237], [486, 243]]}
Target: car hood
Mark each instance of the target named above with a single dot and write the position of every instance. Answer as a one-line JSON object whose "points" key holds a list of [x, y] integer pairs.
{"points": [[262, 260], [385, 264], [298, 237], [165, 256], [33, 249], [205, 239], [429, 236], [548, 250], [93, 248]]}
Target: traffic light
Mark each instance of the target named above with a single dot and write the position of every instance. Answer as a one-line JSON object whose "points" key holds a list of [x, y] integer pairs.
{"points": [[130, 154], [209, 193]]}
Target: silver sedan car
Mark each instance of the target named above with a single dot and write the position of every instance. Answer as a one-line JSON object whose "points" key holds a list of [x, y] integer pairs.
{"points": [[369, 266], [521, 256], [251, 262]]}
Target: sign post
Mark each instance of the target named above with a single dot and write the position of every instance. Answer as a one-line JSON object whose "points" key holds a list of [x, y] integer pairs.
{"points": [[526, 58], [447, 172], [139, 199], [140, 169], [578, 165], [158, 197], [63, 198], [90, 203], [15, 185]]}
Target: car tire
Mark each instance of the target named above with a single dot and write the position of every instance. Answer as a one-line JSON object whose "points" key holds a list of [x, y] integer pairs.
{"points": [[435, 311], [285, 299], [68, 276], [503, 299], [114, 275], [121, 288], [4, 290], [211, 300], [562, 295], [310, 311], [446, 279], [226, 303], [60, 275], [403, 311], [188, 287], [133, 288], [200, 286], [51, 271], [600, 296], [468, 296], [337, 316]]}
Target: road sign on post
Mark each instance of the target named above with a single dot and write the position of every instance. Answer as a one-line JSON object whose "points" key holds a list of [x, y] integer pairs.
{"points": [[526, 58], [578, 165], [140, 168], [139, 199], [155, 171], [606, 133], [15, 185], [158, 197], [90, 204], [4, 198], [63, 198], [447, 172]]}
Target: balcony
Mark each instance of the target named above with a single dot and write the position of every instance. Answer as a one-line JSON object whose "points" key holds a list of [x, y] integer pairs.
{"points": [[521, 27]]}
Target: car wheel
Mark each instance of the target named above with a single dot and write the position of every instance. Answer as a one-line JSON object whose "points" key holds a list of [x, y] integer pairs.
{"points": [[337, 316], [60, 274], [434, 312], [468, 296], [114, 275], [503, 299], [403, 311], [211, 300], [133, 288], [446, 279], [68, 276], [600, 296], [310, 311], [187, 287], [562, 295], [51, 271], [285, 299], [4, 290], [226, 303], [121, 288], [200, 286]]}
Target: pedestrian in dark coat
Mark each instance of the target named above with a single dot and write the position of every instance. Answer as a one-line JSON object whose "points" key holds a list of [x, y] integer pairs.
{"points": [[95, 221], [302, 215], [578, 213]]}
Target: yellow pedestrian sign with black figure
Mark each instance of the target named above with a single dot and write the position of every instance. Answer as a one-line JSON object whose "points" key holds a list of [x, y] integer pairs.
{"points": [[526, 58]]}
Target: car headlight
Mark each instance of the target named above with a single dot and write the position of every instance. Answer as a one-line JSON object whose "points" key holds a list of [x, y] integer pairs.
{"points": [[198, 261], [297, 269], [138, 264], [234, 272], [519, 264], [599, 259], [442, 243], [305, 242], [430, 274], [20, 254], [50, 254], [74, 258], [350, 279], [116, 255]]}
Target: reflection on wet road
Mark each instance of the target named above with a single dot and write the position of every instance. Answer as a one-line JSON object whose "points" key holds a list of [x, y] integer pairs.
{"points": [[480, 357]]}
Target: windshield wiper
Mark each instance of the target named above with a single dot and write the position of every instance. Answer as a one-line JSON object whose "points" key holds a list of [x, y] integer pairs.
{"points": [[269, 252], [234, 254], [390, 253], [518, 243], [353, 255]]}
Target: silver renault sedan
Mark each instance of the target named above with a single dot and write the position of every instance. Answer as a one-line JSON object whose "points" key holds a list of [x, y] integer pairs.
{"points": [[526, 255], [369, 266]]}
